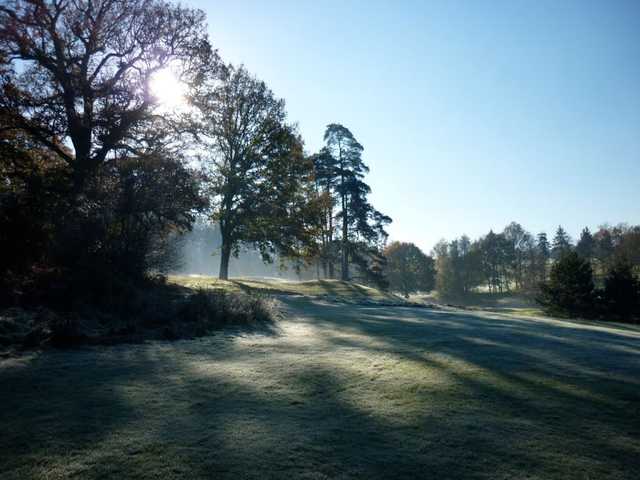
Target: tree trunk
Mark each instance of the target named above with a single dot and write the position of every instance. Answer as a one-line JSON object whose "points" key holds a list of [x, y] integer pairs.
{"points": [[345, 253], [224, 259]]}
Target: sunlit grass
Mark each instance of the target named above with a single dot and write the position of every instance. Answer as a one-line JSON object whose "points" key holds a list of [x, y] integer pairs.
{"points": [[342, 391], [332, 289]]}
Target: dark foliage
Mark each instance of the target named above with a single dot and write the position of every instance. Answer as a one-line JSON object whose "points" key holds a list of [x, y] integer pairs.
{"points": [[570, 290], [409, 270], [621, 293], [91, 182], [136, 312], [351, 230], [259, 180]]}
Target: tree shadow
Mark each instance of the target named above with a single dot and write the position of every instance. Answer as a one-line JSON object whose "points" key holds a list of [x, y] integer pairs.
{"points": [[360, 392]]}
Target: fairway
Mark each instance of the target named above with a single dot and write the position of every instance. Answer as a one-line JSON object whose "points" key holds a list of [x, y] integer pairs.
{"points": [[336, 391]]}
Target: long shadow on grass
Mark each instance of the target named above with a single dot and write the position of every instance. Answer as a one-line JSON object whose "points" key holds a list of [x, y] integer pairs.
{"points": [[515, 398], [456, 396], [574, 386]]}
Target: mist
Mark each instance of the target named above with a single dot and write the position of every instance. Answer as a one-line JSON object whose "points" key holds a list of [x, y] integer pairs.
{"points": [[199, 254]]}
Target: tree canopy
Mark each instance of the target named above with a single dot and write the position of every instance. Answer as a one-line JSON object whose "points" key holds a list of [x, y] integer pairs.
{"points": [[408, 269], [260, 182]]}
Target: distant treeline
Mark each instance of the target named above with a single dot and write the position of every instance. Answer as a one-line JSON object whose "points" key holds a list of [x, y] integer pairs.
{"points": [[516, 260], [596, 276]]}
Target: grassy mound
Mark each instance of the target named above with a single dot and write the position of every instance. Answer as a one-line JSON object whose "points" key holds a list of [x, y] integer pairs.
{"points": [[335, 290]]}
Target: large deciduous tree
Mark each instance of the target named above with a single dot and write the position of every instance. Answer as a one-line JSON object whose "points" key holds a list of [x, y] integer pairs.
{"points": [[408, 269], [77, 74], [261, 183], [93, 164]]}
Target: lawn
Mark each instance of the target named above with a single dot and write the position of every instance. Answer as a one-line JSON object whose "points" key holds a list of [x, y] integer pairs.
{"points": [[338, 390]]}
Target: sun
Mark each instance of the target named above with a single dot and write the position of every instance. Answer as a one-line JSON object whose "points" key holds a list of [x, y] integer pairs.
{"points": [[168, 89]]}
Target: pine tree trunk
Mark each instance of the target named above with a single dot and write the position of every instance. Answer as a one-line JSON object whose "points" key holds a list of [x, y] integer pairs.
{"points": [[345, 236], [345, 253]]}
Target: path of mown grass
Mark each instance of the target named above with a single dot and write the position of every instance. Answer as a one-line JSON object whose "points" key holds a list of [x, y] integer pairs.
{"points": [[339, 391]]}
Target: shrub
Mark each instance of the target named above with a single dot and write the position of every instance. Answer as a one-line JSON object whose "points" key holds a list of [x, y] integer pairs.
{"points": [[570, 290], [213, 309], [135, 312]]}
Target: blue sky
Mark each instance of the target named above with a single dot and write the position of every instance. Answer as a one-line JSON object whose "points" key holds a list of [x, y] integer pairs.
{"points": [[472, 113]]}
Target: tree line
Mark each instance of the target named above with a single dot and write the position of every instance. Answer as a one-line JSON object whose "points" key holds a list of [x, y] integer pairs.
{"points": [[597, 275], [97, 178], [516, 260]]}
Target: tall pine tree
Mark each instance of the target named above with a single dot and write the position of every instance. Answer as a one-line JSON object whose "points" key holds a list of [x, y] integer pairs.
{"points": [[340, 172]]}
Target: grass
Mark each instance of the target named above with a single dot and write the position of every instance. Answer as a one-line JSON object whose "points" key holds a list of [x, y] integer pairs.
{"points": [[508, 303], [330, 289], [340, 391]]}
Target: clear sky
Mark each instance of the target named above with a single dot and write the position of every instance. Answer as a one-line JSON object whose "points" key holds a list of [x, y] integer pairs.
{"points": [[472, 113]]}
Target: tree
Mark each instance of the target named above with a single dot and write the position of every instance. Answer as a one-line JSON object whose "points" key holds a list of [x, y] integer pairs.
{"points": [[408, 269], [561, 243], [629, 247], [371, 264], [494, 248], [326, 175], [470, 265], [260, 181], [543, 251], [518, 241], [28, 199], [621, 294], [604, 248], [78, 74], [341, 171], [350, 169], [570, 289], [459, 267], [585, 246], [79, 123], [529, 253]]}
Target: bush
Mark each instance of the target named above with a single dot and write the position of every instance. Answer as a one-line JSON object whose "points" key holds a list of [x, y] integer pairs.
{"points": [[213, 309], [137, 312], [570, 289], [621, 293]]}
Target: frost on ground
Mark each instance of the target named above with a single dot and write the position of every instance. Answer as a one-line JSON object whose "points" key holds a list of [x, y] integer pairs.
{"points": [[338, 391]]}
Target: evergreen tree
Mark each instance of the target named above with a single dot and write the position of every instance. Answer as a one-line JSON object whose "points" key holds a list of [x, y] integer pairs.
{"points": [[543, 251], [326, 175], [621, 294], [561, 243], [570, 289], [342, 173], [585, 246]]}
